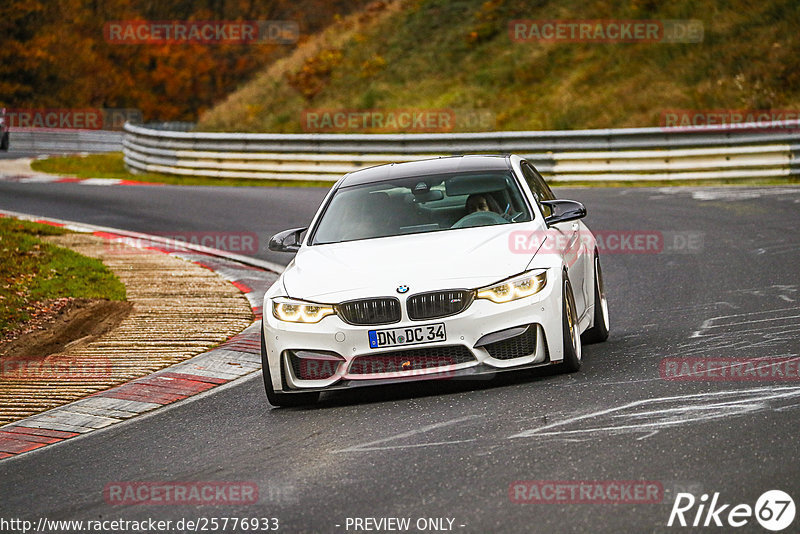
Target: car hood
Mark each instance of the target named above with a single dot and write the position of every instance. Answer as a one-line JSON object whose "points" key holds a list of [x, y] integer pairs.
{"points": [[464, 258]]}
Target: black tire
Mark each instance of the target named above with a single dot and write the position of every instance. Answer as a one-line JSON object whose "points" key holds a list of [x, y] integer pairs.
{"points": [[4, 142], [282, 399], [569, 328], [599, 330]]}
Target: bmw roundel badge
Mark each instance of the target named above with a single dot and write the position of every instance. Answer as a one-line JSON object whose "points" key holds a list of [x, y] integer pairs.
{"points": [[402, 289]]}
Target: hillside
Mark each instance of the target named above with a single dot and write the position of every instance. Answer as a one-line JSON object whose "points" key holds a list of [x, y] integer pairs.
{"points": [[458, 55]]}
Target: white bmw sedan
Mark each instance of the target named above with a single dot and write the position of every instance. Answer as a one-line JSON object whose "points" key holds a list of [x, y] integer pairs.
{"points": [[443, 268]]}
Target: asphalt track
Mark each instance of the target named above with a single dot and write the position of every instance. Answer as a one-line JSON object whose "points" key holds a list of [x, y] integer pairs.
{"points": [[451, 449]]}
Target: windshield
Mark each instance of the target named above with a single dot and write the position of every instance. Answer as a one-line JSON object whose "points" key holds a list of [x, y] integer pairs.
{"points": [[421, 204]]}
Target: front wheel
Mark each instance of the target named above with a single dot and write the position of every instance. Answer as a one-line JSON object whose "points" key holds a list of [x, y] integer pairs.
{"points": [[276, 398], [599, 330], [570, 330]]}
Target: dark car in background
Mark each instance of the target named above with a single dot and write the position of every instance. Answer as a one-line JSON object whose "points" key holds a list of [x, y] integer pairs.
{"points": [[4, 137]]}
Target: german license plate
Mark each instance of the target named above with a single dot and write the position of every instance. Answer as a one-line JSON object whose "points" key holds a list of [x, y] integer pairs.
{"points": [[410, 335]]}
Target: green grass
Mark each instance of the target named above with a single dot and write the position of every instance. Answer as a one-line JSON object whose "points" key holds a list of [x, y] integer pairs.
{"points": [[33, 270], [457, 54], [91, 166], [112, 166]]}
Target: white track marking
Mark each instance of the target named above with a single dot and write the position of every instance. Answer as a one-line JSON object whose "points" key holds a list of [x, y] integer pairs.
{"points": [[411, 446], [698, 407], [708, 324], [370, 446], [732, 194]]}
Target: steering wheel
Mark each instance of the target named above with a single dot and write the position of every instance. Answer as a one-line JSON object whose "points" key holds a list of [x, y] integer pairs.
{"points": [[479, 218]]}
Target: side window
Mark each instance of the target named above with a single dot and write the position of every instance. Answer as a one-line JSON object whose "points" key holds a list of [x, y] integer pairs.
{"points": [[537, 184]]}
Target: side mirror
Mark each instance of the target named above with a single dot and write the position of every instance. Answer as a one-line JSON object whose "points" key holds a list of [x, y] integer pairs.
{"points": [[563, 211], [286, 241]]}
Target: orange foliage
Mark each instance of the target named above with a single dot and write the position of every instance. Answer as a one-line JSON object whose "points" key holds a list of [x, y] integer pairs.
{"points": [[54, 53], [315, 72]]}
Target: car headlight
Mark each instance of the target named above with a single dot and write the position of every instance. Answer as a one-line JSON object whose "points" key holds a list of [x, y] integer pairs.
{"points": [[518, 287], [298, 311]]}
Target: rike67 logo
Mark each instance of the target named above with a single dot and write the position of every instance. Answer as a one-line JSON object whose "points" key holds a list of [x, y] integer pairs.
{"points": [[774, 510]]}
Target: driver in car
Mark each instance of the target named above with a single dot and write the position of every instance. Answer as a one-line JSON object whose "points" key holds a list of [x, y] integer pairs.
{"points": [[481, 202]]}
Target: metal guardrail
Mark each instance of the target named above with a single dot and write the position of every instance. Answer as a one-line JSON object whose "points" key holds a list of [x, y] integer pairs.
{"points": [[755, 150], [62, 140]]}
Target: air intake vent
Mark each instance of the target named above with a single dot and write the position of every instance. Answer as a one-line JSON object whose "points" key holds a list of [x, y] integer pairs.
{"points": [[400, 362], [515, 347], [375, 311], [311, 368], [438, 304]]}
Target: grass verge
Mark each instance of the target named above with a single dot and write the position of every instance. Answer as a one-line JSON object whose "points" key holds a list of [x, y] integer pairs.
{"points": [[112, 166], [32, 270]]}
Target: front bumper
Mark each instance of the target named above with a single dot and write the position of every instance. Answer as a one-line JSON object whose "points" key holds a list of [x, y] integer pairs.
{"points": [[463, 354]]}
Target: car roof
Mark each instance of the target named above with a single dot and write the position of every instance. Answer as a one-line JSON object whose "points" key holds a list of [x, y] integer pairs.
{"points": [[426, 167]]}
